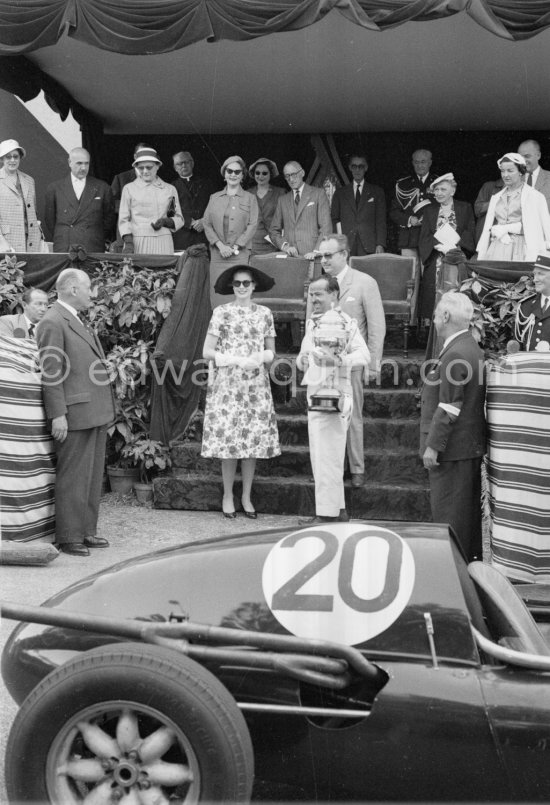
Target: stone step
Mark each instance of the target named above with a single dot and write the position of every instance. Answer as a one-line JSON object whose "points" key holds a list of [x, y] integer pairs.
{"points": [[401, 466], [378, 403], [276, 495]]}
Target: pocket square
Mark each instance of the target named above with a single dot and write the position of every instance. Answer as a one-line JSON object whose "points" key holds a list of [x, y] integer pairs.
{"points": [[311, 203], [370, 199], [350, 299], [97, 198]]}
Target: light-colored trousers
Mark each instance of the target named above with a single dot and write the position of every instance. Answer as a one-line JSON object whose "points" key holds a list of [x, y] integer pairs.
{"points": [[356, 455], [327, 448]]}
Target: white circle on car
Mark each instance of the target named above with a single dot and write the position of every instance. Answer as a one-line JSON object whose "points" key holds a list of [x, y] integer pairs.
{"points": [[346, 582]]}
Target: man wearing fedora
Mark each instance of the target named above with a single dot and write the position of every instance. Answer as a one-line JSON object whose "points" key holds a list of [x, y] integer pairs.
{"points": [[327, 430], [533, 314], [79, 209]]}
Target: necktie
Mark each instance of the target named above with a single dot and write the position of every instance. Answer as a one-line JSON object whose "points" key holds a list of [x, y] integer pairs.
{"points": [[546, 305], [31, 330], [297, 198], [530, 179], [357, 195]]}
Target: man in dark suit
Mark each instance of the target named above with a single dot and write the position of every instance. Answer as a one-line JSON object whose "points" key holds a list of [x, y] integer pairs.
{"points": [[410, 192], [22, 325], [194, 194], [533, 315], [79, 208], [79, 405], [302, 217], [452, 424], [360, 209], [536, 176]]}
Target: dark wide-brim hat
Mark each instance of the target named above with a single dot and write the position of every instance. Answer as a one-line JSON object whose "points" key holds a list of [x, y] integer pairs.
{"points": [[263, 282]]}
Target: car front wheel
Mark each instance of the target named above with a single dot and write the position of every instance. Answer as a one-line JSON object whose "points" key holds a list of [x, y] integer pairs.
{"points": [[132, 723]]}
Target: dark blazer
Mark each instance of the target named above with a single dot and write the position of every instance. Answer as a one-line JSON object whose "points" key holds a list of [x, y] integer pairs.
{"points": [[88, 222], [458, 380], [540, 330], [75, 380], [304, 227], [364, 225], [465, 226], [409, 191], [194, 196]]}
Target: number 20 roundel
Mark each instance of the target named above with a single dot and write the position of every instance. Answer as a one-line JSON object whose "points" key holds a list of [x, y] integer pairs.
{"points": [[346, 583]]}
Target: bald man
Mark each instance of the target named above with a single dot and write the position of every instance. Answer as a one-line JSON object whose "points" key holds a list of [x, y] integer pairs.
{"points": [[79, 208]]}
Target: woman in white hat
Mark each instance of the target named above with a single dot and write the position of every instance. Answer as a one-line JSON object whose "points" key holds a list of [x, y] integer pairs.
{"points": [[263, 171], [149, 209], [19, 228], [230, 220], [446, 212], [517, 225]]}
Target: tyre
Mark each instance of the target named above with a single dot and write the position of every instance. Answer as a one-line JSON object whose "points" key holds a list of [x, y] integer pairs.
{"points": [[133, 723]]}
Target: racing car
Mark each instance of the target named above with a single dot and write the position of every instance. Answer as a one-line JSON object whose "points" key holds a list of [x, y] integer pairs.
{"points": [[348, 661]]}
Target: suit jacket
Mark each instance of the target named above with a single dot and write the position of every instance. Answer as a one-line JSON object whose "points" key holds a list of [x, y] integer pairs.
{"points": [[14, 325], [88, 221], [457, 381], [242, 218], [194, 196], [543, 184], [75, 380], [409, 191], [365, 223], [465, 226], [12, 218], [305, 227], [532, 324], [535, 220]]}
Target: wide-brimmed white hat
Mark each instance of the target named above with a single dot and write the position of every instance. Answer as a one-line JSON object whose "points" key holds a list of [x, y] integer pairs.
{"points": [[446, 177], [511, 156], [146, 155], [7, 146]]}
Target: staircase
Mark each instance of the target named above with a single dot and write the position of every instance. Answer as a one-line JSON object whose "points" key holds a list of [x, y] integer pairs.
{"points": [[396, 484]]}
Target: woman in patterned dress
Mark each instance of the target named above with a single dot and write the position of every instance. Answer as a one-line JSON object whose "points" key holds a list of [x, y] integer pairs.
{"points": [[239, 420], [517, 224], [459, 215]]}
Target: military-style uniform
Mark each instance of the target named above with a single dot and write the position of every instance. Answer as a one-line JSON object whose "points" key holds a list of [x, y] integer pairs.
{"points": [[409, 191], [532, 323]]}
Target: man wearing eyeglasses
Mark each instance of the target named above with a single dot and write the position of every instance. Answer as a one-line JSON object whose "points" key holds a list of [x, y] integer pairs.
{"points": [[360, 299], [360, 209], [193, 193], [302, 217]]}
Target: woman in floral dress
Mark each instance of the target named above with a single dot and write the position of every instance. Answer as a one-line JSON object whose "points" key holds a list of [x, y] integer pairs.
{"points": [[239, 421]]}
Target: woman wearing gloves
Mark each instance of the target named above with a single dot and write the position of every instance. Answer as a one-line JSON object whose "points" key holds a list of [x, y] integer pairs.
{"points": [[239, 420], [517, 226], [149, 209]]}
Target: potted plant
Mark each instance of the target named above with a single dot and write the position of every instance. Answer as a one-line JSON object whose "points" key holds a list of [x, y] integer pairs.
{"points": [[150, 457]]}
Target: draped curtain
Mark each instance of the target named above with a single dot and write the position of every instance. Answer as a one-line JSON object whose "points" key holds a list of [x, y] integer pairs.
{"points": [[143, 27]]}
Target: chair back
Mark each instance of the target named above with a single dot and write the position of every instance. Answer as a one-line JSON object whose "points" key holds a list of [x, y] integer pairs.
{"points": [[393, 273]]}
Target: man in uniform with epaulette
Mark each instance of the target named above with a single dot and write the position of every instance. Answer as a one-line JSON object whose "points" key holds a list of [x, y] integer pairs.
{"points": [[533, 314]]}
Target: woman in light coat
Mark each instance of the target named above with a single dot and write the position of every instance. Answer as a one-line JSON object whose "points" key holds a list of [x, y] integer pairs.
{"points": [[517, 225], [19, 228]]}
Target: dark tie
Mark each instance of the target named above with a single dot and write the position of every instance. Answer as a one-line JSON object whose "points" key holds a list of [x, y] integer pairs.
{"points": [[530, 179], [357, 196], [31, 330], [297, 198]]}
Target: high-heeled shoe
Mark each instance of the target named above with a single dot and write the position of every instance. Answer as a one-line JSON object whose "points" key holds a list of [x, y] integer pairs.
{"points": [[251, 515], [230, 515]]}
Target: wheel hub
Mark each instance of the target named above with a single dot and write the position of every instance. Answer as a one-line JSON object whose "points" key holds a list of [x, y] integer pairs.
{"points": [[126, 773]]}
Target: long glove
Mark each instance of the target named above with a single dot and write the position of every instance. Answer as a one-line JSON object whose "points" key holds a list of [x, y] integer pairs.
{"points": [[128, 247]]}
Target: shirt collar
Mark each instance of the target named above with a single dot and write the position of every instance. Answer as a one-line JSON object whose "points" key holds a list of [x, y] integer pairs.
{"points": [[342, 274], [452, 338], [535, 174], [70, 308], [76, 181]]}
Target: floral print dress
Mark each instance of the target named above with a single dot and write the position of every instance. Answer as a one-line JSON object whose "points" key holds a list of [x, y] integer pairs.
{"points": [[239, 420]]}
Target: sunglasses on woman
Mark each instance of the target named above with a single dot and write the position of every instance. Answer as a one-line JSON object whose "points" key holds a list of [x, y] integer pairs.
{"points": [[244, 283], [234, 172]]}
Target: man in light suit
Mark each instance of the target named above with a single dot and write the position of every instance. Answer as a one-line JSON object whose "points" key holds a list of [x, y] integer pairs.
{"points": [[302, 217], [360, 298], [452, 424], [194, 194], [360, 209], [22, 325], [79, 208], [536, 176], [79, 405]]}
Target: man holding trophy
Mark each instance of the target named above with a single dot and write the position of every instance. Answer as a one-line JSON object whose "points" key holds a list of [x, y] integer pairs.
{"points": [[331, 348]]}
